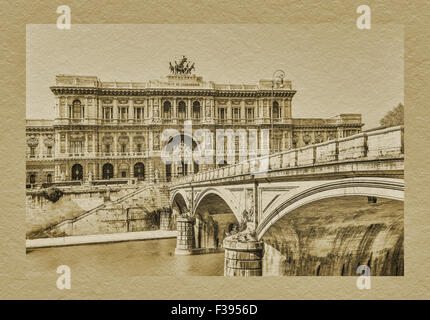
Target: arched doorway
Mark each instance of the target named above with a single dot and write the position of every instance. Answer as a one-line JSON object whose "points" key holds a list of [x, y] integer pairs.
{"points": [[139, 171], [107, 171], [77, 172]]}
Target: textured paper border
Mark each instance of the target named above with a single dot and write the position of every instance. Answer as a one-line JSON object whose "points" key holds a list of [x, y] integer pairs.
{"points": [[16, 281]]}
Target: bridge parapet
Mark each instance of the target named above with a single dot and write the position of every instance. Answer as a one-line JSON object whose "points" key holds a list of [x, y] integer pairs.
{"points": [[372, 145]]}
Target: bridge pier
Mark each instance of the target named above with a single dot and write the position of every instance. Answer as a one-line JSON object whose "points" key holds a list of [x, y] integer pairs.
{"points": [[243, 256], [185, 239]]}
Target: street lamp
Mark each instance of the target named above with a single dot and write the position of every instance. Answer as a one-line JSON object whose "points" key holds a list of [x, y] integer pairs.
{"points": [[278, 74]]}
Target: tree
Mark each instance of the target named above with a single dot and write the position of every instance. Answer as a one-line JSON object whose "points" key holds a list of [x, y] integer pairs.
{"points": [[394, 117]]}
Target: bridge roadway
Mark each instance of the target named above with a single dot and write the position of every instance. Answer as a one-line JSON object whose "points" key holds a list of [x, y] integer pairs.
{"points": [[260, 191]]}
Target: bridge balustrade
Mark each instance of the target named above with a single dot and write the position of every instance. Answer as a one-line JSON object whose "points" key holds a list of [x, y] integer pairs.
{"points": [[326, 152], [380, 143], [352, 147]]}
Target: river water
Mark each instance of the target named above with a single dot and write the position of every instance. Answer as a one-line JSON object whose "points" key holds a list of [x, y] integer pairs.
{"points": [[133, 258]]}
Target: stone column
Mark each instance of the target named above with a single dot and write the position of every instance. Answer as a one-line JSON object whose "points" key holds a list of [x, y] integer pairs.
{"points": [[185, 238], [67, 143], [57, 107], [130, 110], [229, 111], [243, 258], [115, 110], [189, 110], [115, 138], [86, 110], [242, 111], [174, 110], [66, 109]]}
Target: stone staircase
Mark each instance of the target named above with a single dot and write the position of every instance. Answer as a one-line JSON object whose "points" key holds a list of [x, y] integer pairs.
{"points": [[148, 198]]}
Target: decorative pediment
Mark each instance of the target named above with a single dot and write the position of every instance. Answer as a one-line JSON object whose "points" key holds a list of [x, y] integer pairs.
{"points": [[123, 139], [236, 102], [139, 139], [107, 139]]}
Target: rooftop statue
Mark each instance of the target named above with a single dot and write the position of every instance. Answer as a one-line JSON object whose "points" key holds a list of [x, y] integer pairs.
{"points": [[183, 67]]}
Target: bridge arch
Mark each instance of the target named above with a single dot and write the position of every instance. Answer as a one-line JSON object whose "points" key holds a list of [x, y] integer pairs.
{"points": [[178, 202], [225, 195], [374, 187], [215, 216]]}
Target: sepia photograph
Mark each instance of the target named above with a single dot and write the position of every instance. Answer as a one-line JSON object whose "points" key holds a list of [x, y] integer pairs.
{"points": [[215, 149]]}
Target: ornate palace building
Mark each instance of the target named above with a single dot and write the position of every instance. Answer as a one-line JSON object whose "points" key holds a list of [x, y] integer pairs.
{"points": [[112, 131]]}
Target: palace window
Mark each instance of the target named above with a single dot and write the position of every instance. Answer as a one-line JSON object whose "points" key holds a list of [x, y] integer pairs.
{"points": [[139, 148], [107, 148], [33, 179], [236, 114], [123, 148], [49, 151], [277, 143], [222, 113], [107, 113], [77, 110], [250, 114], [196, 110], [138, 113], [32, 152], [167, 110], [123, 113], [276, 114], [182, 110], [48, 178]]}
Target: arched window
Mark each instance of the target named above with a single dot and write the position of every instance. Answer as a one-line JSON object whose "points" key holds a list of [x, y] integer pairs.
{"points": [[76, 110], [182, 110], [77, 172], [167, 110], [139, 171], [32, 179], [196, 110], [107, 171], [275, 110]]}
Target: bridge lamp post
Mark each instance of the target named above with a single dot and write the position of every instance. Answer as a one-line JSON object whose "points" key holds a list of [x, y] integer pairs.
{"points": [[277, 75]]}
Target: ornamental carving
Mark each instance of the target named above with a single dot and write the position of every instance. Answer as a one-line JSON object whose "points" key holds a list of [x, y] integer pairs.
{"points": [[307, 138], [319, 137], [49, 141], [156, 142], [295, 137], [77, 136], [32, 141], [331, 135]]}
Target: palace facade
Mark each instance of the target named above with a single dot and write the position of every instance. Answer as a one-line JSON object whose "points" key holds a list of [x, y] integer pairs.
{"points": [[112, 131]]}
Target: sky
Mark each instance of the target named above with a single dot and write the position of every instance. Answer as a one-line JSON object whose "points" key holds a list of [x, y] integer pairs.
{"points": [[334, 68]]}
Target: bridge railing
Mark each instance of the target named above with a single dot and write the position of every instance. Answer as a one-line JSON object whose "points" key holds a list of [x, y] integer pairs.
{"points": [[382, 143]]}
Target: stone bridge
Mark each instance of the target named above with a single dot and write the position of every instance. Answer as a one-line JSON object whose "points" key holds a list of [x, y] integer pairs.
{"points": [[254, 203]]}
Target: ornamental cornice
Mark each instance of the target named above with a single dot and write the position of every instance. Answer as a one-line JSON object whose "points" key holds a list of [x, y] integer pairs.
{"points": [[122, 93]]}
